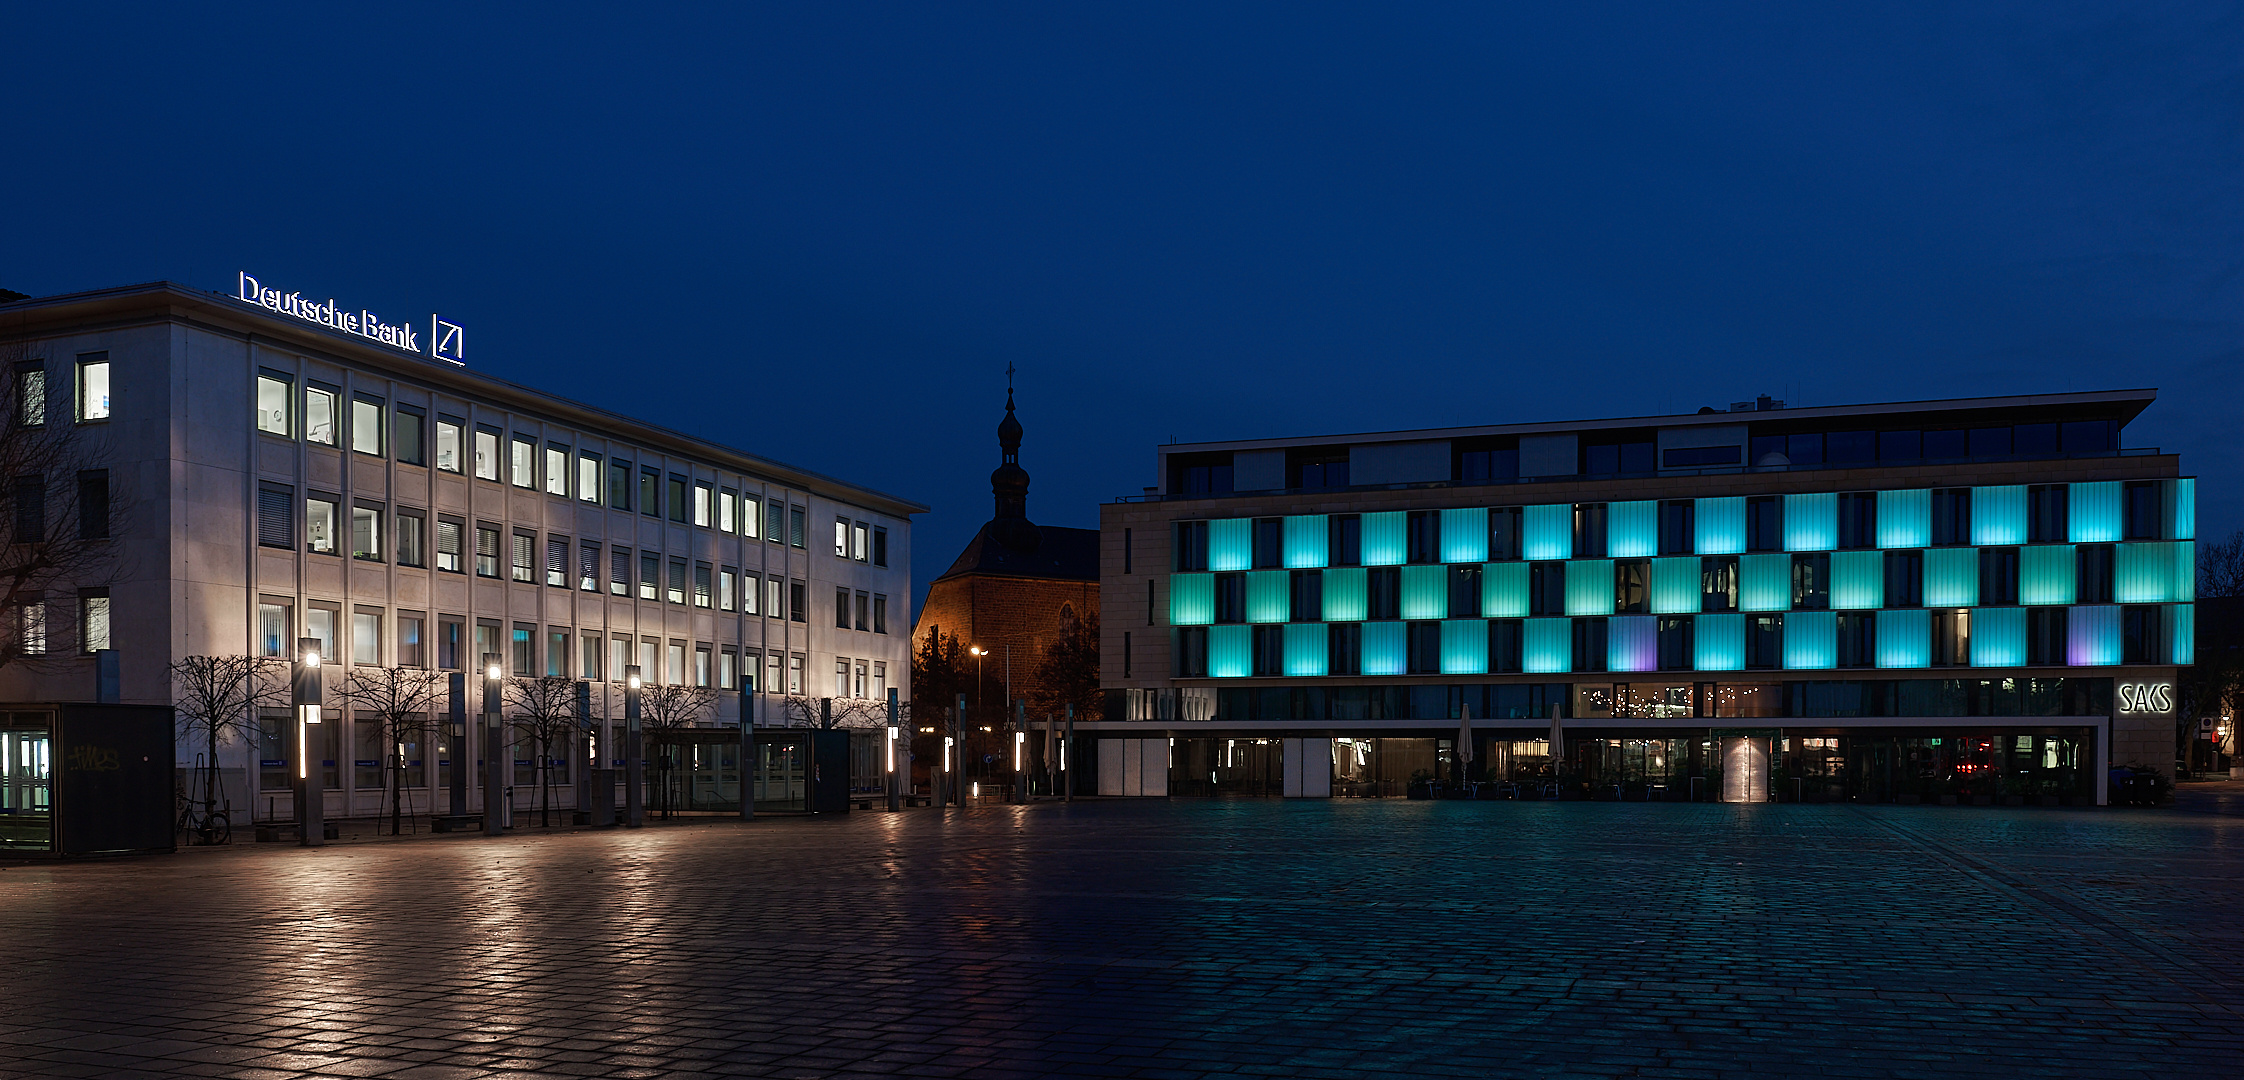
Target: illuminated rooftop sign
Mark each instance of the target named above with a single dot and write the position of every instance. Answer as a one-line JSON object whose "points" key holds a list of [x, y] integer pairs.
{"points": [[446, 340]]}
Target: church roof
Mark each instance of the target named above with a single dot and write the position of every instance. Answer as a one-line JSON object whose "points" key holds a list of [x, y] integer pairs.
{"points": [[1063, 553]]}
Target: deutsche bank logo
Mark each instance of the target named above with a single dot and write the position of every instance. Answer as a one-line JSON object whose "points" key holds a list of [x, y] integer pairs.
{"points": [[2146, 697], [447, 341]]}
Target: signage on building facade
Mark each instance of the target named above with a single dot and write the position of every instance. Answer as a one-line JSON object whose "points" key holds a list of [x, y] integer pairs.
{"points": [[2145, 698], [446, 340]]}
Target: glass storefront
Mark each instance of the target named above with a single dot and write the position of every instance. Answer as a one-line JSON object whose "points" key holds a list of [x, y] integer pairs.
{"points": [[26, 776], [1227, 767]]}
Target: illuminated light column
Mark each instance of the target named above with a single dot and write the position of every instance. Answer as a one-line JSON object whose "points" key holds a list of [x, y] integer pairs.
{"points": [[634, 763], [494, 748], [895, 792], [305, 692]]}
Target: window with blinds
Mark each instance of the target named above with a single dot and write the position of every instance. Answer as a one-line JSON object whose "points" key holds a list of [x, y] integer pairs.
{"points": [[677, 591], [588, 568], [557, 562], [619, 571], [276, 517], [650, 577], [701, 587], [486, 552], [525, 555], [448, 545]]}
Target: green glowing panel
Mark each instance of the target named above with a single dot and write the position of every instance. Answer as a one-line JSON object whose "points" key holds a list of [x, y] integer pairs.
{"points": [[2181, 509], [1905, 518], [1998, 636], [1811, 522], [1231, 544], [1503, 590], [2092, 513], [1269, 595], [1305, 648], [1858, 579], [1425, 593], [1632, 529], [2154, 572], [1764, 582], [1191, 599], [2181, 633], [1589, 587], [1675, 586], [1346, 595], [1386, 539], [1385, 650], [1546, 646], [1998, 515], [1811, 640], [2092, 636], [2045, 573], [1905, 638], [1547, 532], [1230, 651], [1721, 526], [1719, 641], [1306, 536], [1464, 647], [1464, 535], [1951, 577]]}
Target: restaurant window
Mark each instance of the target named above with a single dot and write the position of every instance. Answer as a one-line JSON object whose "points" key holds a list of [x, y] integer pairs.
{"points": [[448, 443]]}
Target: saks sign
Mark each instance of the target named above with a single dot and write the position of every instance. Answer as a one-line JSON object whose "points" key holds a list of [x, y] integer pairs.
{"points": [[446, 340], [2145, 698]]}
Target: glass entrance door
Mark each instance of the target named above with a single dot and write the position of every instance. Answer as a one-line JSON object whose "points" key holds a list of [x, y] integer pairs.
{"points": [[1745, 768], [26, 771]]}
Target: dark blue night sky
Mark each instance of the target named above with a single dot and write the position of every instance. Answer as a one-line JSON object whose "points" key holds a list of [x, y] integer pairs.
{"points": [[820, 233]]}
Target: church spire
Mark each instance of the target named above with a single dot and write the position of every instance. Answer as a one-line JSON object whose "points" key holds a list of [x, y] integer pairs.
{"points": [[1009, 482]]}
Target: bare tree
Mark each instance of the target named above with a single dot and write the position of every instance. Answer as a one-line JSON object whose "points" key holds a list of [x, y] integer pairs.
{"points": [[670, 707], [400, 701], [61, 508], [216, 699], [1068, 673], [545, 712], [2220, 567]]}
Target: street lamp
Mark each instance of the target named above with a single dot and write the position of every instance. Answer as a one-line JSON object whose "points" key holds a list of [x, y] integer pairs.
{"points": [[634, 768], [494, 748], [306, 692], [895, 796]]}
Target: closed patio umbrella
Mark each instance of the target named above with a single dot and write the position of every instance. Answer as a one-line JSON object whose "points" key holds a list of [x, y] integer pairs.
{"points": [[1464, 741], [1558, 739]]}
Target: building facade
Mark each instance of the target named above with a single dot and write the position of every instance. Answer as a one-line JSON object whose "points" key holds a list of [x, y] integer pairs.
{"points": [[1970, 600], [282, 470]]}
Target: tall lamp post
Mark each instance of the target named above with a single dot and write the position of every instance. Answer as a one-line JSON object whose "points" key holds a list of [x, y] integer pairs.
{"points": [[1020, 752], [895, 794], [958, 729], [455, 736], [305, 693], [634, 763], [748, 748], [494, 748]]}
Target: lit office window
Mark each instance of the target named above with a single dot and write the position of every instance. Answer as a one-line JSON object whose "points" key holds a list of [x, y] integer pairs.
{"points": [[676, 654], [703, 494], [857, 541], [795, 674], [319, 525], [557, 561], [727, 511], [588, 478], [880, 680], [677, 590], [272, 630], [524, 563], [841, 676], [486, 454], [486, 552], [588, 567], [774, 607], [319, 416], [751, 590], [366, 426], [650, 576], [725, 588], [93, 387], [523, 462], [409, 652], [728, 667], [32, 633], [366, 637], [366, 533], [750, 516], [619, 571], [701, 665], [557, 470], [93, 606], [448, 444], [841, 537], [273, 394]]}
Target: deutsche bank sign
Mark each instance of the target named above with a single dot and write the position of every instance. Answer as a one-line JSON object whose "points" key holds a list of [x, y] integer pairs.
{"points": [[446, 340], [2146, 697]]}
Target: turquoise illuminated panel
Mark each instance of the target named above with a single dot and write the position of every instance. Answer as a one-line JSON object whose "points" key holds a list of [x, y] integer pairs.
{"points": [[1905, 638], [1546, 645], [1464, 535], [2092, 513], [1464, 647], [1269, 595], [1905, 518], [1191, 599], [1998, 635], [1231, 544], [1720, 526], [1858, 579], [2092, 636], [2181, 633], [2156, 572], [1345, 595], [1951, 577], [1589, 587], [1386, 538], [1675, 586], [1998, 515], [1425, 593], [1305, 648], [2046, 573], [1503, 590], [2181, 509], [1811, 522], [1230, 651], [1719, 641], [1764, 582], [1547, 532], [1385, 650], [1632, 530], [1632, 643], [1306, 537], [1811, 640]]}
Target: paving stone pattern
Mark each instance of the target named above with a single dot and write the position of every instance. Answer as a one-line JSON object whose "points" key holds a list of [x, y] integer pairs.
{"points": [[1160, 939]]}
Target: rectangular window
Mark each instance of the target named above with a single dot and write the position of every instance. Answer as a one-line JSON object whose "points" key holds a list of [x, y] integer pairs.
{"points": [[557, 561], [864, 611], [1951, 516], [409, 647], [880, 613], [1677, 527], [841, 538], [2139, 505], [1858, 519], [33, 631], [523, 566], [650, 491], [619, 485], [701, 665], [677, 493], [701, 586], [798, 607], [1464, 592], [319, 416], [30, 510], [523, 649], [1190, 654], [650, 576], [795, 674], [1858, 639], [486, 453], [557, 470], [366, 426], [2046, 519], [93, 387], [1675, 635], [93, 608], [703, 495], [1951, 638], [276, 524], [588, 567], [2094, 574], [273, 628], [795, 536], [2045, 636], [412, 536], [486, 551], [406, 428], [1905, 578], [319, 625], [857, 542], [1718, 583], [319, 525], [1589, 530], [366, 533], [751, 594], [1998, 576], [676, 593], [1764, 523], [1189, 546], [273, 393], [728, 514], [588, 478], [619, 571], [727, 588], [1345, 541], [522, 462], [1764, 641], [448, 546], [649, 660], [841, 609], [1632, 586], [366, 637], [1811, 581], [676, 654], [619, 658], [773, 605], [880, 547], [1590, 636], [448, 450], [557, 653], [93, 505], [751, 516], [448, 636]]}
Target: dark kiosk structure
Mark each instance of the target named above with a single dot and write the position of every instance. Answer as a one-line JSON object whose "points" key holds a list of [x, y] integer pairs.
{"points": [[83, 779]]}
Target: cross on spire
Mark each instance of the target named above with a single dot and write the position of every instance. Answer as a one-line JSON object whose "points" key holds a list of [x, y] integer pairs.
{"points": [[1008, 377]]}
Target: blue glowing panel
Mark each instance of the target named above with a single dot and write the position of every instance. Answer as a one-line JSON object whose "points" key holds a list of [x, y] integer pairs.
{"points": [[2181, 509], [1632, 530], [2153, 572], [2046, 573], [1464, 535], [1269, 595], [1386, 538], [1546, 646], [2092, 513], [1858, 580], [1306, 537], [1675, 586], [1589, 587], [1811, 640], [1305, 648], [1503, 590], [1764, 582], [1425, 593], [1632, 643], [1719, 642], [1998, 515], [1346, 595], [1905, 638], [1385, 650], [1998, 635], [1547, 532], [1191, 599], [1721, 526], [1231, 544], [1951, 577], [1230, 651], [1464, 647], [1811, 522], [2181, 633], [1905, 518], [2092, 636]]}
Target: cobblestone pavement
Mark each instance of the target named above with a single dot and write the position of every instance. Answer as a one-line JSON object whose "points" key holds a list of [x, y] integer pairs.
{"points": [[1160, 939]]}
